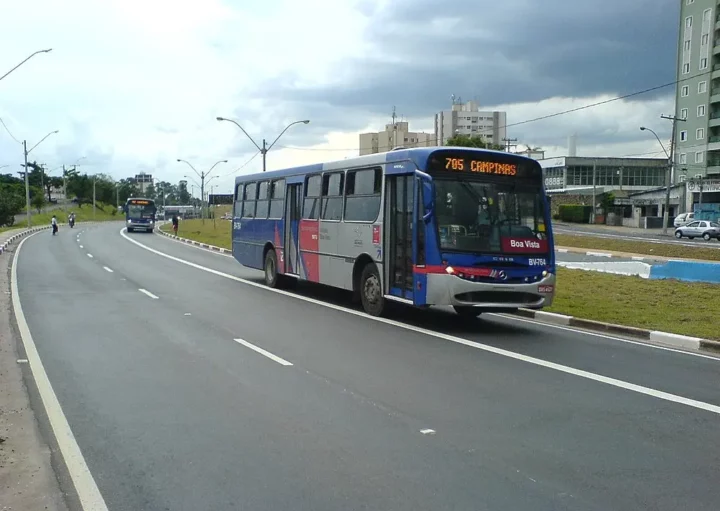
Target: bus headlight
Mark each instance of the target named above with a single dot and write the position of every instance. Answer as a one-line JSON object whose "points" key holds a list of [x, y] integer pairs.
{"points": [[544, 273]]}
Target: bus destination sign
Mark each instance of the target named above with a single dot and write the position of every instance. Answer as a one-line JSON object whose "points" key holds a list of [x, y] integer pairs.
{"points": [[140, 202], [481, 166]]}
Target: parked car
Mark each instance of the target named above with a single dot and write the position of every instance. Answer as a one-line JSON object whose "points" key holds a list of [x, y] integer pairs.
{"points": [[684, 219], [699, 229]]}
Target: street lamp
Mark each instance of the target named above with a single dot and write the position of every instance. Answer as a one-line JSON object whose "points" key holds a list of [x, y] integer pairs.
{"points": [[21, 63], [25, 153], [202, 176], [265, 148], [666, 212]]}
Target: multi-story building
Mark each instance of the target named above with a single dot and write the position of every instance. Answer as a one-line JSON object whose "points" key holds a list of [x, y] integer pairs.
{"points": [[698, 91], [396, 134], [467, 119], [143, 181]]}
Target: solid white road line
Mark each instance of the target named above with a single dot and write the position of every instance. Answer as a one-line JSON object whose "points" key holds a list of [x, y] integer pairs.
{"points": [[107, 269], [85, 486], [458, 340], [90, 256], [269, 355], [146, 292], [198, 247]]}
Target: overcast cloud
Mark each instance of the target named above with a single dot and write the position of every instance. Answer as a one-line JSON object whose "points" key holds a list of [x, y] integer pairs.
{"points": [[133, 85]]}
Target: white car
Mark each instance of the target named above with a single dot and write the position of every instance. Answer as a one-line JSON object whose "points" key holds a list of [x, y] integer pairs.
{"points": [[683, 219]]}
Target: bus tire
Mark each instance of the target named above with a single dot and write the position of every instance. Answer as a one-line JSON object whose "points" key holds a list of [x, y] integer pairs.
{"points": [[272, 279], [371, 294], [130, 229], [466, 311]]}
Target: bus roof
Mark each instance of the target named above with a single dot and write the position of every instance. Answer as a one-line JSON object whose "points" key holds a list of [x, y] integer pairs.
{"points": [[419, 156], [139, 198]]}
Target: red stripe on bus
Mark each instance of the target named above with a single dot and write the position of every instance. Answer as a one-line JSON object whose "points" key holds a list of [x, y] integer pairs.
{"points": [[310, 240]]}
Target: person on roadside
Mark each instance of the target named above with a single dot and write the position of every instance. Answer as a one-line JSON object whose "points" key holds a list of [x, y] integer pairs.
{"points": [[175, 222], [54, 224]]}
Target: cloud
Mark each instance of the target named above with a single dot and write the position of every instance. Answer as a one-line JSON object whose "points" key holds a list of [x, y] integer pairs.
{"points": [[132, 86]]}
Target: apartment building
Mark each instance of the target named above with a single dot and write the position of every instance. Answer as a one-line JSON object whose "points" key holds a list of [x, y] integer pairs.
{"points": [[467, 119], [396, 134]]}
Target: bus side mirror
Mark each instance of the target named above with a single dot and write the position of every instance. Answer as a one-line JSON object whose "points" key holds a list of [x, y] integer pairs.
{"points": [[428, 200]]}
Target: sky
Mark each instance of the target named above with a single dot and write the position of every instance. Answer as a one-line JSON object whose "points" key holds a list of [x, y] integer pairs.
{"points": [[134, 85]]}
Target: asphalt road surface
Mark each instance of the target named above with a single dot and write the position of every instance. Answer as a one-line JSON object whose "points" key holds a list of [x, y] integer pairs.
{"points": [[642, 235], [188, 389]]}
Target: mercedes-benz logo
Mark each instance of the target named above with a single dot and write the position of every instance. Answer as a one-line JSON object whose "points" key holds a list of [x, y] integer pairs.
{"points": [[502, 275]]}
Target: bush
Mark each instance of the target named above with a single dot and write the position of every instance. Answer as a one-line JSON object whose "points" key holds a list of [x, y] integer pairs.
{"points": [[574, 213]]}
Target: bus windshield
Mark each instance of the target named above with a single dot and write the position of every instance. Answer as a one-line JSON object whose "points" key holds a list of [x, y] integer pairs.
{"points": [[140, 211], [490, 217]]}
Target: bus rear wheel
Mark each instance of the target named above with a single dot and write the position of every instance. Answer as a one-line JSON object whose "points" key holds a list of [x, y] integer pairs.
{"points": [[466, 311], [371, 294]]}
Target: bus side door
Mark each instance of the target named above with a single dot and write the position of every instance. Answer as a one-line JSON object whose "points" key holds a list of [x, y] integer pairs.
{"points": [[399, 199]]}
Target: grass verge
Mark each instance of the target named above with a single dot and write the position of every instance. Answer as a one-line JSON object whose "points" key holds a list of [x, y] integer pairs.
{"points": [[104, 213], [640, 247], [215, 232], [636, 302], [618, 299]]}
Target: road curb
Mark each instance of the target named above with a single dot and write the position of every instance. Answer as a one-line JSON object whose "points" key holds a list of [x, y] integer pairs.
{"points": [[18, 236], [665, 338], [193, 242], [610, 254]]}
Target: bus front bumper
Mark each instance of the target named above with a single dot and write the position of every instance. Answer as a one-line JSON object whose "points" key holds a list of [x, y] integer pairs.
{"points": [[451, 290]]}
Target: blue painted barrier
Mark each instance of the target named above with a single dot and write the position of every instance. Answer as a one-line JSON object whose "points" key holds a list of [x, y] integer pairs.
{"points": [[687, 271]]}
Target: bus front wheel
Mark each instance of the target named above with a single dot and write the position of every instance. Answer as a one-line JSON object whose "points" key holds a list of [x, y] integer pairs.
{"points": [[371, 293], [466, 311]]}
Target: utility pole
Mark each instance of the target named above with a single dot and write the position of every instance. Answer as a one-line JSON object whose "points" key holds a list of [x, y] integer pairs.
{"points": [[27, 184], [594, 205], [94, 182], [509, 143], [671, 163]]}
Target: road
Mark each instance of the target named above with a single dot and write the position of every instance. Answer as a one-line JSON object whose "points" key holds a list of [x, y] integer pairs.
{"points": [[643, 235], [189, 386]]}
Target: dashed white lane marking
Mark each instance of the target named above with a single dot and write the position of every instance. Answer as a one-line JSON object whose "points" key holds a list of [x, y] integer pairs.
{"points": [[90, 256], [148, 293], [22, 361], [427, 431], [458, 340], [269, 355], [83, 481], [107, 269], [81, 246]]}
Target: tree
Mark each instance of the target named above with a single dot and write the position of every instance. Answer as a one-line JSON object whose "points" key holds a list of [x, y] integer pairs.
{"points": [[473, 141], [38, 201], [12, 198], [52, 183], [81, 186], [183, 194]]}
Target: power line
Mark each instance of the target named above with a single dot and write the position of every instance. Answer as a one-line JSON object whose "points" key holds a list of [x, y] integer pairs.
{"points": [[241, 166], [8, 131]]}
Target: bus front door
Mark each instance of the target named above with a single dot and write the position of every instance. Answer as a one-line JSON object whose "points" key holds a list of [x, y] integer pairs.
{"points": [[293, 212], [399, 235]]}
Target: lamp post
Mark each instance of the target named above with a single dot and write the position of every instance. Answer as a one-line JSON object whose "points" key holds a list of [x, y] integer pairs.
{"points": [[202, 176], [265, 148], [25, 153], [21, 63]]}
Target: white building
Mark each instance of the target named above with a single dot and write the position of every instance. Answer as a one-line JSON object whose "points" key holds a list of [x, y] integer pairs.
{"points": [[467, 119], [143, 181], [395, 135]]}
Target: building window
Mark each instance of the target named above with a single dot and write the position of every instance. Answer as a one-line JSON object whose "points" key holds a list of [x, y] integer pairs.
{"points": [[685, 91], [688, 2], [700, 133], [706, 14], [686, 69], [683, 113], [686, 45], [683, 136], [703, 63], [688, 22], [699, 157], [704, 41], [683, 158], [702, 87], [701, 111]]}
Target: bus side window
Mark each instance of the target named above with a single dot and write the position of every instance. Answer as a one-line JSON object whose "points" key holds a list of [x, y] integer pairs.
{"points": [[263, 203], [420, 222], [277, 198], [238, 201], [362, 195], [311, 204], [249, 199], [332, 196]]}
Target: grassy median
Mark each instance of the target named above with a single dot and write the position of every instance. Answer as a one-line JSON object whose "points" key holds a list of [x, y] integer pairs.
{"points": [[664, 305], [104, 213], [213, 232], [643, 248]]}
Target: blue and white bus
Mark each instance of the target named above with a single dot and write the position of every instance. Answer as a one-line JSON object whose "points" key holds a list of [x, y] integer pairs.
{"points": [[469, 228], [140, 214]]}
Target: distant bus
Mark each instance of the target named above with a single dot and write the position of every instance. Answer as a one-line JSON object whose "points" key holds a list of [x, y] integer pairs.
{"points": [[140, 214], [180, 211], [469, 228]]}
